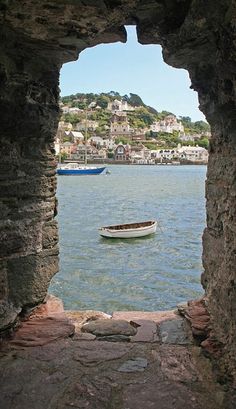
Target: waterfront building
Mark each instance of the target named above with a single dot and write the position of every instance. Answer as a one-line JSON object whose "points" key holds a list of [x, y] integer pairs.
{"points": [[122, 152], [165, 155], [81, 150], [101, 154], [140, 154], [68, 148], [193, 154]]}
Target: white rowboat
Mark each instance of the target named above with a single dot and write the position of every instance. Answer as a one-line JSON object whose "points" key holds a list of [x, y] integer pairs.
{"points": [[130, 230]]}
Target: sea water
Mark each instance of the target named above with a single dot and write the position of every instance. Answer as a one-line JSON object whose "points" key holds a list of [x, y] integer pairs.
{"points": [[151, 273]]}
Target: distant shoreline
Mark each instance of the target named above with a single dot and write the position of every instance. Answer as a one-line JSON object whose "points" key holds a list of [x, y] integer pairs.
{"points": [[112, 162]]}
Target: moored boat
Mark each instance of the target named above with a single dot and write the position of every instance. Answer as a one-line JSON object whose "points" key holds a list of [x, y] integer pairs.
{"points": [[75, 169], [129, 230]]}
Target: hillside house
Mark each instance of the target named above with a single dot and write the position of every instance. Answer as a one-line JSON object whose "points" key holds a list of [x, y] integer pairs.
{"points": [[64, 126], [117, 105], [89, 124], [63, 130], [96, 141], [187, 137], [76, 136], [194, 136], [92, 105], [64, 109], [74, 110], [169, 124], [80, 152], [109, 143], [139, 134], [119, 124], [68, 148]]}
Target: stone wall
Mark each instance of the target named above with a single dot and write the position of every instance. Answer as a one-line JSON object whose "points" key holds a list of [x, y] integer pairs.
{"points": [[36, 38], [29, 115]]}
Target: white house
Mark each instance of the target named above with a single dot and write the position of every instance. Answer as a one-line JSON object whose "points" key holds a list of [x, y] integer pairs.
{"points": [[168, 125], [64, 126], [117, 105], [119, 128], [96, 140], [165, 154], [64, 108], [76, 136], [193, 154], [74, 110], [92, 105], [187, 137], [194, 136], [109, 143], [89, 124]]}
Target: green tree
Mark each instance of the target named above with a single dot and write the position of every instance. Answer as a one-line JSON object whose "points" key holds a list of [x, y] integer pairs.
{"points": [[102, 101], [151, 146], [122, 139], [135, 100], [203, 142], [110, 154], [202, 126], [61, 157], [71, 118], [185, 120]]}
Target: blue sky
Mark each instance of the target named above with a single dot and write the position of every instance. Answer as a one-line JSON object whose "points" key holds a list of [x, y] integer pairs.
{"points": [[132, 67]]}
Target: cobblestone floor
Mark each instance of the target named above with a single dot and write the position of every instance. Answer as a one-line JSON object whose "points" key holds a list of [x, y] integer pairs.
{"points": [[52, 363]]}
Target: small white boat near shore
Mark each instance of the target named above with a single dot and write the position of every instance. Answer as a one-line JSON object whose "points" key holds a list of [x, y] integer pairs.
{"points": [[129, 230]]}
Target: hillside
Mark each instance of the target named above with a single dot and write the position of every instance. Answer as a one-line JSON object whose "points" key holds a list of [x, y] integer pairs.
{"points": [[138, 116]]}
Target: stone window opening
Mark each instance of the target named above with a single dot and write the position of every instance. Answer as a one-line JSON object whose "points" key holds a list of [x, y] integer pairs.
{"points": [[123, 158], [35, 43]]}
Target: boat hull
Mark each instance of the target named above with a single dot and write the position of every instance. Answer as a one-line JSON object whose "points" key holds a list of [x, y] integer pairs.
{"points": [[78, 172], [128, 233]]}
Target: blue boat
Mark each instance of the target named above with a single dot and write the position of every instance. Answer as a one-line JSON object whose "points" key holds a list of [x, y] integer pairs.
{"points": [[75, 169]]}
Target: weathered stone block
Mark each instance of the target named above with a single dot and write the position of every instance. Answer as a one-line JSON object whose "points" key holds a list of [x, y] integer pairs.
{"points": [[49, 234], [29, 277]]}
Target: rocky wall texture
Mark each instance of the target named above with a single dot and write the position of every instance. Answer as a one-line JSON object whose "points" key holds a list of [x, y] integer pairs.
{"points": [[28, 231], [36, 38]]}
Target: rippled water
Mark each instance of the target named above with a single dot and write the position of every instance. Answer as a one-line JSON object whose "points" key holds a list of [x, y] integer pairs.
{"points": [[151, 273]]}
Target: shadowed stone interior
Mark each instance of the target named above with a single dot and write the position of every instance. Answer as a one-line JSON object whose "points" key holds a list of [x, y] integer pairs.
{"points": [[36, 39]]}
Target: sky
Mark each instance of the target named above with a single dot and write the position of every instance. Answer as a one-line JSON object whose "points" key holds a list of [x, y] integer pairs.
{"points": [[132, 67]]}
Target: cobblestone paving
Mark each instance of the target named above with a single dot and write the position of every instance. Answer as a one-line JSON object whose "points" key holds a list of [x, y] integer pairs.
{"points": [[159, 367]]}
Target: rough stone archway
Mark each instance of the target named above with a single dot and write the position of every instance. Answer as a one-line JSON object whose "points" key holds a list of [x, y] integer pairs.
{"points": [[36, 39]]}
